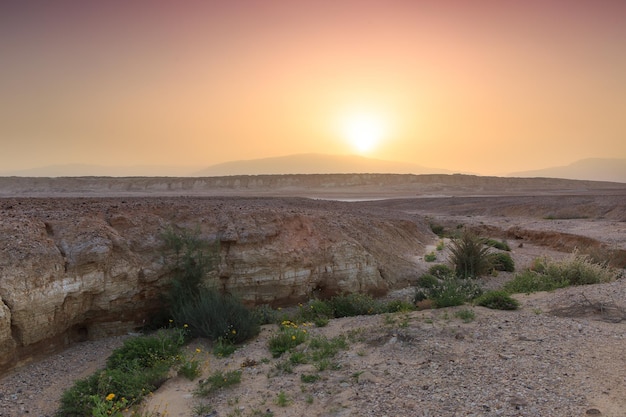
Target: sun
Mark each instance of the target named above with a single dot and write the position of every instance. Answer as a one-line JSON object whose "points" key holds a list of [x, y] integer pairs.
{"points": [[364, 130]]}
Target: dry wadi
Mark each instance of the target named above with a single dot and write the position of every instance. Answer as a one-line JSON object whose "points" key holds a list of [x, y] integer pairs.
{"points": [[80, 270]]}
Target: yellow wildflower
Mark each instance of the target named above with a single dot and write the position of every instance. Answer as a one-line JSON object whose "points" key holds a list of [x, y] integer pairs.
{"points": [[198, 350], [185, 325], [110, 397], [234, 331], [293, 338]]}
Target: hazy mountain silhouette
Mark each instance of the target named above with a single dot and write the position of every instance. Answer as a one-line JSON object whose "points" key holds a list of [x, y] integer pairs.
{"points": [[312, 163], [596, 169]]}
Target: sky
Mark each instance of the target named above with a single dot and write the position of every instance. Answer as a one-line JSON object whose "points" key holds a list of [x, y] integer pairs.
{"points": [[479, 86]]}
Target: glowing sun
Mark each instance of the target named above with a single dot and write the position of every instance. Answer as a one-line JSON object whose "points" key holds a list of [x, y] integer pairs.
{"points": [[364, 131]]}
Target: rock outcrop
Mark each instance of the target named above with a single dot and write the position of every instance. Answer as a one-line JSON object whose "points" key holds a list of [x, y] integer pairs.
{"points": [[72, 269]]}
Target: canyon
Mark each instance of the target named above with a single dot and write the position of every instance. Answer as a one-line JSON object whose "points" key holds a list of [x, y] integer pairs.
{"points": [[84, 258]]}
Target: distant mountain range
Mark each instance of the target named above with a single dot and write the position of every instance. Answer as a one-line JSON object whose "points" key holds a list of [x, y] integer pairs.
{"points": [[313, 163], [595, 169]]}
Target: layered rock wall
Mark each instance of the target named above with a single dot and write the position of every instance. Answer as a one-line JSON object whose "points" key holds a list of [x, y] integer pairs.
{"points": [[72, 269]]}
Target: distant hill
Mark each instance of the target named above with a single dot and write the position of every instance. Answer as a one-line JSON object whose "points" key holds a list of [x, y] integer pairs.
{"points": [[595, 169], [315, 164]]}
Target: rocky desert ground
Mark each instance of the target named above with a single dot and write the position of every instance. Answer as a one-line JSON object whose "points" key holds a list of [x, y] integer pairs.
{"points": [[79, 266]]}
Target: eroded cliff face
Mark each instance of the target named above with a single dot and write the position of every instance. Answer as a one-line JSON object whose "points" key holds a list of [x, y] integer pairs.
{"points": [[72, 269]]}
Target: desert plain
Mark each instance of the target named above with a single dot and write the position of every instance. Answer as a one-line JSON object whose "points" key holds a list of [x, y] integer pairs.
{"points": [[79, 270]]}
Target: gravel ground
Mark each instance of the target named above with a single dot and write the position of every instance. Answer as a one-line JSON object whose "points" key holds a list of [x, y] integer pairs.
{"points": [[562, 354], [35, 389]]}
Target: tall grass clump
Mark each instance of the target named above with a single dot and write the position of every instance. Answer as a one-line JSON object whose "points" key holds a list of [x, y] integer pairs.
{"points": [[469, 255], [548, 274], [191, 300]]}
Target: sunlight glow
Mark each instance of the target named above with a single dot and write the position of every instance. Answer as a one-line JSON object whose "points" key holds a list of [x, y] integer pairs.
{"points": [[364, 131]]}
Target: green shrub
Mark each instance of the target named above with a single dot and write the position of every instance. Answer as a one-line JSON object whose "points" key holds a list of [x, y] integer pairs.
{"points": [[309, 378], [498, 244], [132, 385], [446, 292], [529, 281], [437, 229], [207, 312], [465, 314], [440, 245], [452, 291], [469, 255], [323, 348], [223, 348], [502, 262], [430, 257], [147, 351], [396, 306], [297, 358], [547, 274], [440, 270], [264, 314], [498, 300], [289, 336], [427, 281], [423, 286], [317, 311], [354, 304], [217, 381], [213, 315], [190, 369]]}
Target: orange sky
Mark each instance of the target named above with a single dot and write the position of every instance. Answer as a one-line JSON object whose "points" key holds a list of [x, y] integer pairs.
{"points": [[489, 87]]}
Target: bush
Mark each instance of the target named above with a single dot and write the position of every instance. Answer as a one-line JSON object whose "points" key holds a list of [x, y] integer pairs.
{"points": [[547, 274], [147, 351], [355, 304], [396, 306], [440, 270], [502, 262], [446, 292], [498, 300], [453, 291], [213, 315], [529, 281], [289, 336], [502, 245], [430, 257], [207, 312], [316, 311], [424, 284], [437, 229], [138, 367], [469, 255], [217, 381]]}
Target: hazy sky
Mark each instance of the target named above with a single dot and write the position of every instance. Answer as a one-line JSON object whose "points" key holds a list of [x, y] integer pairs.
{"points": [[483, 86]]}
